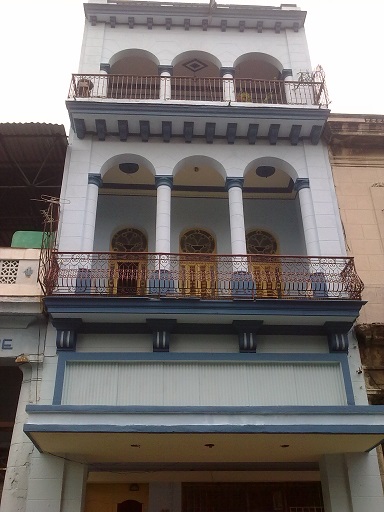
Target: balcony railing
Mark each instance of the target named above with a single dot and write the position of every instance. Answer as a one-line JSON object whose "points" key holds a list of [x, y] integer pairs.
{"points": [[129, 87], [206, 276]]}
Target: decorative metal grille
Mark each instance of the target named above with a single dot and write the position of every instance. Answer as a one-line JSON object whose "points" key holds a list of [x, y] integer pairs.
{"points": [[305, 91], [8, 271], [197, 241], [129, 240], [164, 274], [261, 242]]}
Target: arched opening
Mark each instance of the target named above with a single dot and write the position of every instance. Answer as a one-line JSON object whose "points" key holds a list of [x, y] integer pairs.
{"points": [[258, 79], [129, 267], [198, 267], [133, 74], [196, 76], [262, 248]]}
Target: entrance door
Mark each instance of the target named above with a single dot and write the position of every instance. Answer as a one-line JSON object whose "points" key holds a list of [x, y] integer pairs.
{"points": [[197, 268], [129, 264], [266, 270], [129, 506]]}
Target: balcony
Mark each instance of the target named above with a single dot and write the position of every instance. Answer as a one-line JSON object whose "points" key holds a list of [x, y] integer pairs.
{"points": [[140, 107], [203, 276], [264, 92]]}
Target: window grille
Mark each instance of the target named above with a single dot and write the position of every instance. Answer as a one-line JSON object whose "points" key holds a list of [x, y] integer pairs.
{"points": [[8, 271]]}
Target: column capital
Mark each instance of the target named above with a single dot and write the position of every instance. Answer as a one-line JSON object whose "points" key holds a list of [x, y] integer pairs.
{"points": [[234, 182], [284, 73], [104, 66], [95, 179], [227, 71], [165, 69], [164, 180], [301, 183]]}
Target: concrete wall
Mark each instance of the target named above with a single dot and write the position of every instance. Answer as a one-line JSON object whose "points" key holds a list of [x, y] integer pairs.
{"points": [[310, 162], [102, 43], [276, 216]]}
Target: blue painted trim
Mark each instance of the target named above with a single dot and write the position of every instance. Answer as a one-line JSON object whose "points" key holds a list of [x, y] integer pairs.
{"points": [[164, 180], [347, 378], [273, 410], [301, 183], [202, 356], [169, 306], [78, 107], [234, 182], [220, 429], [95, 179], [64, 357], [59, 382]]}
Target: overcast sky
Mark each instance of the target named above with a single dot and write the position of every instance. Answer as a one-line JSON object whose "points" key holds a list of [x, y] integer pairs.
{"points": [[41, 40]]}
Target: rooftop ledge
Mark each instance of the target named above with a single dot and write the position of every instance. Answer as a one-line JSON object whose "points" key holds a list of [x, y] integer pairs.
{"points": [[204, 15]]}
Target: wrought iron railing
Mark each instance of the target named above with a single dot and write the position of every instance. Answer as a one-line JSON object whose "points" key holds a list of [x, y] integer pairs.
{"points": [[205, 276], [130, 87]]}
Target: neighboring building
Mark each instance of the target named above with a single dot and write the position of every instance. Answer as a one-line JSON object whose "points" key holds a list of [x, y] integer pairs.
{"points": [[199, 354], [356, 144], [32, 159]]}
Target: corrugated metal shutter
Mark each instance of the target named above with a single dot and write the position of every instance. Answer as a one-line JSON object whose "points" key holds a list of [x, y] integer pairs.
{"points": [[208, 384]]}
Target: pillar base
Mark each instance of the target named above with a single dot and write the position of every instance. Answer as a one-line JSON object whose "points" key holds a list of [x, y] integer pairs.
{"points": [[160, 283], [243, 285]]}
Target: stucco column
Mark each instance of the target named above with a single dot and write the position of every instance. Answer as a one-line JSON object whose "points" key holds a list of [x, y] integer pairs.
{"points": [[102, 86], [286, 76], [351, 482], [165, 73], [163, 213], [228, 83], [16, 477], [94, 182], [74, 487], [234, 186], [308, 217]]}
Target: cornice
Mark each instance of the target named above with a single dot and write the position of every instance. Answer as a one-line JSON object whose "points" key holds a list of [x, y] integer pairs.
{"points": [[353, 131], [175, 14], [157, 109]]}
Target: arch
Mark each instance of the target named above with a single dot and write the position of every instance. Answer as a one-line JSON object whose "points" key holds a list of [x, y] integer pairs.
{"points": [[261, 242], [278, 163], [200, 161], [137, 56], [129, 506], [197, 241], [129, 240], [127, 157], [205, 63], [263, 66]]}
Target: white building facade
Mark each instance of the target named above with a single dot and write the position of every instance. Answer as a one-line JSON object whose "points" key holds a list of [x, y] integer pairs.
{"points": [[199, 354]]}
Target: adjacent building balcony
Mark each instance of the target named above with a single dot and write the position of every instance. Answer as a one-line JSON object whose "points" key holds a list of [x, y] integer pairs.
{"points": [[203, 276], [18, 272]]}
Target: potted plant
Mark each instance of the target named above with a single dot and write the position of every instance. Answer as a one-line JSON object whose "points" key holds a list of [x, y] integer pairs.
{"points": [[244, 96]]}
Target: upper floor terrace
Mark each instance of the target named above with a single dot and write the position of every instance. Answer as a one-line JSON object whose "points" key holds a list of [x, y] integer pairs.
{"points": [[237, 64]]}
